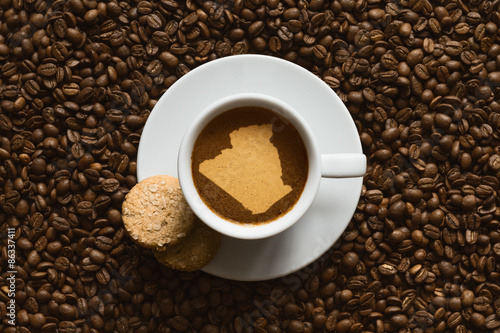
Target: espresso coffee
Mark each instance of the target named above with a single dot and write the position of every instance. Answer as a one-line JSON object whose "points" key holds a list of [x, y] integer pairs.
{"points": [[249, 164]]}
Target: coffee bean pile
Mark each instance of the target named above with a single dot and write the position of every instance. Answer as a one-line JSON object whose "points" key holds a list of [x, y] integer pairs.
{"points": [[421, 78]]}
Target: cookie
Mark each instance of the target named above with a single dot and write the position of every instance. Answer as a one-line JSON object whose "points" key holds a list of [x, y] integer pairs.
{"points": [[156, 214], [193, 252]]}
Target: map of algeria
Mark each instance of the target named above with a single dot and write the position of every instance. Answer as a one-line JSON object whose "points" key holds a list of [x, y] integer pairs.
{"points": [[250, 171]]}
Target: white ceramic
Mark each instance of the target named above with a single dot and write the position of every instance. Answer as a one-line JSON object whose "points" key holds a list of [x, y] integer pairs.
{"points": [[342, 165], [303, 243]]}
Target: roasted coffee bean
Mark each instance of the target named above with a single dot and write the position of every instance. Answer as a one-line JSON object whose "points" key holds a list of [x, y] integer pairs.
{"points": [[387, 269], [104, 243], [110, 185], [97, 256], [491, 322], [61, 224], [61, 264], [33, 258], [85, 208], [38, 320]]}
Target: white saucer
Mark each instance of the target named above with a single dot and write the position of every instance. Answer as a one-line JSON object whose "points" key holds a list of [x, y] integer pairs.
{"points": [[322, 225]]}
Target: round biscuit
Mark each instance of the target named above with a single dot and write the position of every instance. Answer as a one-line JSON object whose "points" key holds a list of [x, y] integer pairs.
{"points": [[156, 214], [193, 252]]}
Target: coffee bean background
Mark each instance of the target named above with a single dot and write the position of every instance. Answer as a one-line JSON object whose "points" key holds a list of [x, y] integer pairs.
{"points": [[421, 79]]}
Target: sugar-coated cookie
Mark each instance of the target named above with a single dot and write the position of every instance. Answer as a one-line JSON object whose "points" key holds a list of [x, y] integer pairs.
{"points": [[156, 214], [193, 252]]}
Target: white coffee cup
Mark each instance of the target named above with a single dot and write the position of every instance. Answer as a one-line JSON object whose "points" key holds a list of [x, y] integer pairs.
{"points": [[320, 165]]}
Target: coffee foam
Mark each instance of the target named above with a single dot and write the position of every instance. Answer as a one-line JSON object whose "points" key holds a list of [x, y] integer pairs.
{"points": [[251, 170]]}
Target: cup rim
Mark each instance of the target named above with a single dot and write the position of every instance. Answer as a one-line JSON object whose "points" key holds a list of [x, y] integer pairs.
{"points": [[248, 230]]}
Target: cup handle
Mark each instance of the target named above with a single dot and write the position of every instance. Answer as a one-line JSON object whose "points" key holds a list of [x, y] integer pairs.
{"points": [[343, 165]]}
